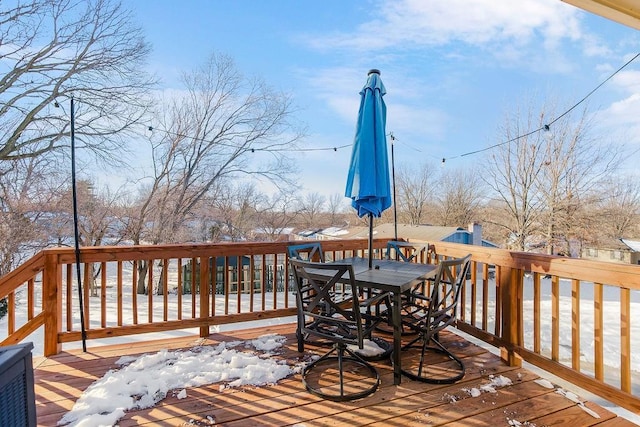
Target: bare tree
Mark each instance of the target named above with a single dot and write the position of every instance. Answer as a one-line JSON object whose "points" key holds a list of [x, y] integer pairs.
{"points": [[311, 207], [220, 128], [335, 205], [236, 210], [53, 50], [25, 193], [574, 166], [512, 172], [544, 179], [459, 196], [414, 192], [618, 210], [277, 214]]}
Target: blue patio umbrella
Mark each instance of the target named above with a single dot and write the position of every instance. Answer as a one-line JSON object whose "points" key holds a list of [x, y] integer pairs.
{"points": [[368, 183]]}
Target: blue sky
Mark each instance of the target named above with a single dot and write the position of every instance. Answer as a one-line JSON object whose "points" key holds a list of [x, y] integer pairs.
{"points": [[452, 69]]}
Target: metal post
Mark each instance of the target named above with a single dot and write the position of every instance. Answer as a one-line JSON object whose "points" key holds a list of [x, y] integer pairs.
{"points": [[76, 228]]}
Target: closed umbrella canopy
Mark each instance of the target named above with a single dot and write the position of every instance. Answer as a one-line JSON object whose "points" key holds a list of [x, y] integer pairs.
{"points": [[368, 179], [368, 183]]}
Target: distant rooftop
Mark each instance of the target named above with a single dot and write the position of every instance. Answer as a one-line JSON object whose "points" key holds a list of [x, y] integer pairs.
{"points": [[634, 245]]}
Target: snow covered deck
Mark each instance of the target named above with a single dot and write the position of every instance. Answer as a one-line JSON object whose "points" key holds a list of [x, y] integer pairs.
{"points": [[491, 393]]}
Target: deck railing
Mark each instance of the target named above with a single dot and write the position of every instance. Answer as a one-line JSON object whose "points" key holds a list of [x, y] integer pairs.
{"points": [[571, 317]]}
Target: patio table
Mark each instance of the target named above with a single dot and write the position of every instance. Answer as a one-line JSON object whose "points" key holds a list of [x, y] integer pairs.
{"points": [[395, 277]]}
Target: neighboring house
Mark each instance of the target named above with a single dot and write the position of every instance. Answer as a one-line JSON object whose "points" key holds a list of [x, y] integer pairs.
{"points": [[623, 251], [422, 233], [432, 234], [279, 234]]}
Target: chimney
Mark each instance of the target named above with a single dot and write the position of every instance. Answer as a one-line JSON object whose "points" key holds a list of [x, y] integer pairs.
{"points": [[476, 233]]}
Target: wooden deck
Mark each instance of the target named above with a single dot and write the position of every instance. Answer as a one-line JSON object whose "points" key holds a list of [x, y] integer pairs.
{"points": [[61, 379]]}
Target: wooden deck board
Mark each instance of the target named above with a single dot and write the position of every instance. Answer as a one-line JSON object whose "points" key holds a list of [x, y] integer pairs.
{"points": [[60, 381]]}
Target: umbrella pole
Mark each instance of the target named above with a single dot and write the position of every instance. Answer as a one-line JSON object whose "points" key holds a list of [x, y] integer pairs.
{"points": [[370, 240], [393, 178]]}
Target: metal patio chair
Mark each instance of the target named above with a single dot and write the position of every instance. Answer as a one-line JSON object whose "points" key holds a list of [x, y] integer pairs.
{"points": [[340, 374], [427, 316], [311, 251], [405, 252]]}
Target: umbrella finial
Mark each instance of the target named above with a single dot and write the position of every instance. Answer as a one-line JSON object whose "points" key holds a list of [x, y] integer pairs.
{"points": [[373, 71]]}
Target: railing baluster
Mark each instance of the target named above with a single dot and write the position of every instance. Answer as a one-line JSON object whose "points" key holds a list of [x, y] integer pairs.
{"points": [[502, 276], [575, 324], [103, 295], [86, 299], [193, 287], [263, 283], [485, 296], [204, 293], [150, 291], [69, 297], [180, 289], [536, 312], [285, 285], [252, 274], [11, 313], [227, 285], [210, 277], [134, 292], [30, 299], [165, 289], [275, 280], [625, 339], [240, 286], [555, 318], [474, 293], [598, 331], [119, 293]]}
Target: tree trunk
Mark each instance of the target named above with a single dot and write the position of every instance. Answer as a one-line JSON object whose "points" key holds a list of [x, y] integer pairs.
{"points": [[143, 266]]}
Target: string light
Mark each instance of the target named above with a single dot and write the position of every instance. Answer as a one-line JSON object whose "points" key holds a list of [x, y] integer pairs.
{"points": [[253, 150]]}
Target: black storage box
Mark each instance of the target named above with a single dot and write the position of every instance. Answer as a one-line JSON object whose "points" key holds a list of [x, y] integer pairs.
{"points": [[17, 398]]}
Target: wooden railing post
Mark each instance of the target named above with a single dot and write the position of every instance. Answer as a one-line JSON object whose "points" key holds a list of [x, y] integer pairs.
{"points": [[510, 288], [52, 304]]}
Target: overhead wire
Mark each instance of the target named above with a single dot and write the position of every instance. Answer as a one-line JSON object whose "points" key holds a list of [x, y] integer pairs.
{"points": [[253, 149], [547, 126]]}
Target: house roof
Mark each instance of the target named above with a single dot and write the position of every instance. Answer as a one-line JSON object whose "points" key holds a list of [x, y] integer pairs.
{"points": [[634, 245], [421, 233], [356, 232], [425, 233], [625, 12], [610, 244]]}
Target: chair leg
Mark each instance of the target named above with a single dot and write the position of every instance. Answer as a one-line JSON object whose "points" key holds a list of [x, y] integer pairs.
{"points": [[340, 358], [300, 334], [300, 338], [422, 372]]}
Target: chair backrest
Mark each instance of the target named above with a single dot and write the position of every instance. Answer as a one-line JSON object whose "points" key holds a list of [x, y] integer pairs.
{"points": [[306, 252], [315, 292], [445, 293], [407, 251]]}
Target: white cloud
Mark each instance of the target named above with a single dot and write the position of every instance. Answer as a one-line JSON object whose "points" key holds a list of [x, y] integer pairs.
{"points": [[474, 22], [622, 117], [628, 81]]}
